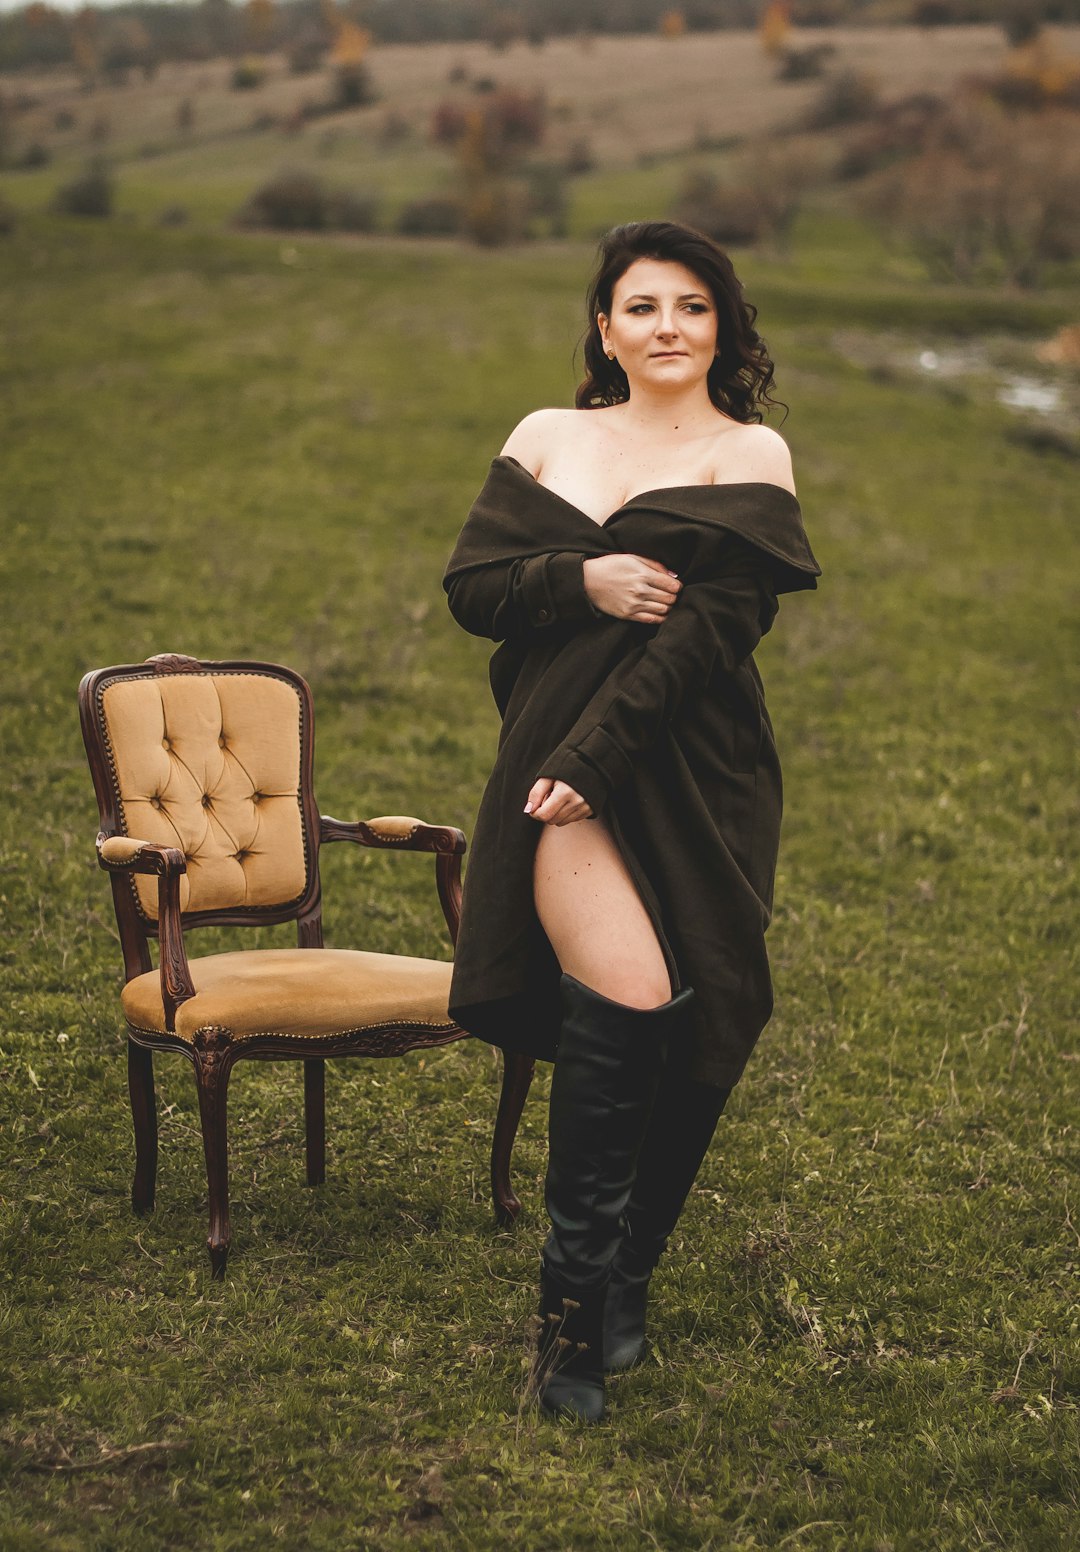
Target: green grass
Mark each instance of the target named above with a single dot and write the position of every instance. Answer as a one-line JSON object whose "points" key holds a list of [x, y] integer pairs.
{"points": [[866, 1332]]}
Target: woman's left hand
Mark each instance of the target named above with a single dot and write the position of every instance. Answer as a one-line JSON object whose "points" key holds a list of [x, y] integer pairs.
{"points": [[553, 802]]}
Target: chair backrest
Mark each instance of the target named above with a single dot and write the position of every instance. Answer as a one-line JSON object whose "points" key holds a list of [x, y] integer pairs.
{"points": [[214, 759]]}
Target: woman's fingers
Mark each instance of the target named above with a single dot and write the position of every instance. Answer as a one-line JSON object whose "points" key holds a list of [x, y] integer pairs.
{"points": [[631, 587], [539, 790], [562, 805]]}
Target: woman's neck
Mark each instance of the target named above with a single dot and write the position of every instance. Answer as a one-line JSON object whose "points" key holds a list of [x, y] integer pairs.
{"points": [[679, 415]]}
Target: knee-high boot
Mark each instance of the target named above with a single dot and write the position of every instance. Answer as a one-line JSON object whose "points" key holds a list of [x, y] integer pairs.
{"points": [[606, 1071], [681, 1126]]}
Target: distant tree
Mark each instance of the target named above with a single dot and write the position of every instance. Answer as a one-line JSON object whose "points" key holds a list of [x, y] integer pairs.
{"points": [[260, 22], [1022, 21], [774, 26], [349, 59], [90, 193]]}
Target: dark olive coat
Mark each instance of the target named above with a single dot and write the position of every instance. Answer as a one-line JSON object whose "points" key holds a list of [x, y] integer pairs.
{"points": [[662, 729]]}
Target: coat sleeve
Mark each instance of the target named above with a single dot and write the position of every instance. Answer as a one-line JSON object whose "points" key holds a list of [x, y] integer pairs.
{"points": [[713, 624], [504, 599]]}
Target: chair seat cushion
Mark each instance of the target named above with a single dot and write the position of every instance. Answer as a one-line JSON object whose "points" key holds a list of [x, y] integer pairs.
{"points": [[304, 994]]}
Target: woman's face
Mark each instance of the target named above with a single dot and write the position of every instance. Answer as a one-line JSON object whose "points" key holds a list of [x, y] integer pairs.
{"points": [[663, 324]]}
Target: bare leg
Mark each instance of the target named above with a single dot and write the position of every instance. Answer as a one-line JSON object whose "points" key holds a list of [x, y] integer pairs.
{"points": [[595, 920]]}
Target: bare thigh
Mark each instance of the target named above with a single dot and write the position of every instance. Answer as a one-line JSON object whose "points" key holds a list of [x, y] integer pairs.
{"points": [[594, 917]]}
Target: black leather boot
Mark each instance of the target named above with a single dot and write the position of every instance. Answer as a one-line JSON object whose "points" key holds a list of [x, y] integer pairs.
{"points": [[606, 1071], [680, 1128]]}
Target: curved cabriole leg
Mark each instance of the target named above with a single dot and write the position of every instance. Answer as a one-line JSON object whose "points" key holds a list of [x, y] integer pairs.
{"points": [[213, 1062], [144, 1118], [315, 1118], [517, 1076]]}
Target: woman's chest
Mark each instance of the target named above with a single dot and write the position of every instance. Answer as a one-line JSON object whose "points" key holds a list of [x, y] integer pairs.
{"points": [[690, 548]]}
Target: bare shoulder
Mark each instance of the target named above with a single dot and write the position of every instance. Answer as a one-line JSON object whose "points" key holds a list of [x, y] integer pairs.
{"points": [[758, 453], [532, 439]]}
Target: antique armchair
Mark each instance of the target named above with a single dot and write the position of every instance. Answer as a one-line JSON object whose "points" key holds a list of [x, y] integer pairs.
{"points": [[203, 776]]}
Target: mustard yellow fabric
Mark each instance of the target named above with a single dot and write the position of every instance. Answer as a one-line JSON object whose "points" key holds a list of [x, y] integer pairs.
{"points": [[303, 993], [119, 849], [210, 763], [394, 827]]}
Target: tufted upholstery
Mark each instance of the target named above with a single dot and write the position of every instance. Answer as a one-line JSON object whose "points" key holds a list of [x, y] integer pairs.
{"points": [[300, 992], [210, 763]]}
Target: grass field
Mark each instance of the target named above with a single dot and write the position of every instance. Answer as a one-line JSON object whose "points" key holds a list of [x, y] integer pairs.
{"points": [[867, 1330]]}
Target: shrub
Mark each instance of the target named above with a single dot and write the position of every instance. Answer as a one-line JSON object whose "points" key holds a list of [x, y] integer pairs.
{"points": [[354, 86], [845, 98], [495, 131], [1022, 21], [769, 182], [307, 52], [90, 193], [292, 200], [248, 75], [35, 155], [804, 64], [933, 13], [449, 122], [900, 129], [725, 213], [393, 128], [295, 200], [349, 212], [495, 212], [437, 215], [545, 184], [989, 195], [174, 215], [579, 156]]}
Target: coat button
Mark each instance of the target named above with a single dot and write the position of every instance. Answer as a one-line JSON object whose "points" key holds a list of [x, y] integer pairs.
{"points": [[544, 614]]}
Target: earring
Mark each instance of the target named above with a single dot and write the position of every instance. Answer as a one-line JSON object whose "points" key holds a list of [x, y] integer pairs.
{"points": [[610, 355]]}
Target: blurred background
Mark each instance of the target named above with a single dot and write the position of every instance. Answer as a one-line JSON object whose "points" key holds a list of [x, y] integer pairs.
{"points": [[276, 282]]}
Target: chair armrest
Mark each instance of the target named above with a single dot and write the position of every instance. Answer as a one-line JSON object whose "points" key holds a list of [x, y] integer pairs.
{"points": [[403, 832], [400, 831], [126, 854]]}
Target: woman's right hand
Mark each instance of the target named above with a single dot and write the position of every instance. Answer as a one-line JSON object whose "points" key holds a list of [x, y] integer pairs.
{"points": [[631, 587]]}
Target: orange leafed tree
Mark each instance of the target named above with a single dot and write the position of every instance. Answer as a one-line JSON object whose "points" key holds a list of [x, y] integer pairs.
{"points": [[259, 15], [85, 39], [775, 25], [672, 24], [351, 44]]}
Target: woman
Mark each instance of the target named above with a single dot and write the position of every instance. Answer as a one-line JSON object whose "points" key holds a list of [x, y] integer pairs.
{"points": [[626, 554]]}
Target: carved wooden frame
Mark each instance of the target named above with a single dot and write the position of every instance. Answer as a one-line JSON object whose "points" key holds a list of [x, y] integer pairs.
{"points": [[214, 1053]]}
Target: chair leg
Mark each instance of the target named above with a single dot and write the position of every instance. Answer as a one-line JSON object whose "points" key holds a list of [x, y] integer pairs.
{"points": [[213, 1063], [144, 1117], [517, 1076], [315, 1118]]}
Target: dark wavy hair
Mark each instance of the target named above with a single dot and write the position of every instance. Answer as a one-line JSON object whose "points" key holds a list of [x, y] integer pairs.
{"points": [[741, 376]]}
